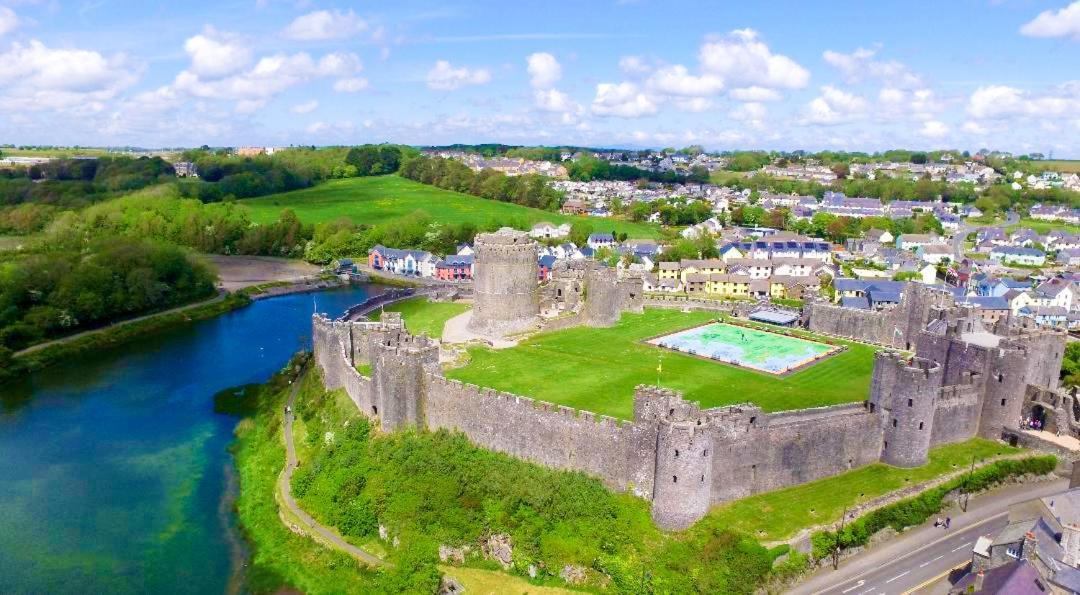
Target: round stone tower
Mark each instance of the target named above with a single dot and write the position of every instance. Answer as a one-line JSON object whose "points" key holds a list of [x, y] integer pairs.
{"points": [[506, 283], [683, 484], [1004, 390], [908, 391]]}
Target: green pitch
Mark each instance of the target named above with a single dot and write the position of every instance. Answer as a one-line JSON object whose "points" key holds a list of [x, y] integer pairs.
{"points": [[422, 316], [373, 200], [597, 369]]}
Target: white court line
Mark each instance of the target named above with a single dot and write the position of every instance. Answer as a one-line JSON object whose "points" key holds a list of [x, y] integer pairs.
{"points": [[927, 563], [897, 576], [963, 546], [853, 587]]}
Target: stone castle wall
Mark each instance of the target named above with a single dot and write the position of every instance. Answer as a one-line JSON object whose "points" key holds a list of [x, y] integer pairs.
{"points": [[684, 459]]}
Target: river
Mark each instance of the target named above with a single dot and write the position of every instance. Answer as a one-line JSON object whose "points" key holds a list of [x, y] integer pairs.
{"points": [[114, 467]]}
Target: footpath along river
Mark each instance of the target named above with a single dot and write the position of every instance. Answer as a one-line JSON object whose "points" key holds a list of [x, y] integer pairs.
{"points": [[114, 468]]}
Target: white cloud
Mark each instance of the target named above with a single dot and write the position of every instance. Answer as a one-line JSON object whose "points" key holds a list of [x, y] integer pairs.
{"points": [[215, 54], [8, 20], [323, 24], [751, 114], [835, 106], [860, 65], [317, 127], [675, 80], [544, 70], [1055, 23], [351, 85], [305, 108], [444, 77], [934, 129], [623, 100], [268, 77], [754, 94], [1001, 101], [693, 104], [249, 106], [918, 104], [973, 127], [633, 65], [741, 59], [554, 100], [36, 77], [339, 64]]}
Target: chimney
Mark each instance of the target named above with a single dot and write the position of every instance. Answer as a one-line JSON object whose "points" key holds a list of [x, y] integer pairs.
{"points": [[979, 581], [1027, 550]]}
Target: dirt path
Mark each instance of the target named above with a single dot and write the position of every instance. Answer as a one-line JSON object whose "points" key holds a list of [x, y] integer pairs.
{"points": [[217, 298], [284, 487], [237, 272]]}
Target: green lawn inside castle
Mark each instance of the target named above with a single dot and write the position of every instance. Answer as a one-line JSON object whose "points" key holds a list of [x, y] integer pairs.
{"points": [[596, 369]]}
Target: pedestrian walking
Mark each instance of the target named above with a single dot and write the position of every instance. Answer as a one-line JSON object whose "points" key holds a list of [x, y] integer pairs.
{"points": [[948, 521]]}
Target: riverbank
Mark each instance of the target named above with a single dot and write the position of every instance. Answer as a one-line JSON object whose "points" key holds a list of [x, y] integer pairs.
{"points": [[43, 355]]}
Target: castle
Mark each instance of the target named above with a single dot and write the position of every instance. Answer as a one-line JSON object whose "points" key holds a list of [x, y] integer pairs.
{"points": [[953, 380]]}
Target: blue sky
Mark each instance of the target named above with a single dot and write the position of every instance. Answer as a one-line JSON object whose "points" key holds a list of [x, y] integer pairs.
{"points": [[728, 75]]}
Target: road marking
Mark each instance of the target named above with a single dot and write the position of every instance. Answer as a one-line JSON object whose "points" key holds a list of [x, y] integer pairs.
{"points": [[853, 587], [963, 546], [910, 553], [935, 579], [897, 576], [928, 562]]}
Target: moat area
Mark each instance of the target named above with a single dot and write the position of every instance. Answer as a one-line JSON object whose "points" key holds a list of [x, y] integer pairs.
{"points": [[116, 466]]}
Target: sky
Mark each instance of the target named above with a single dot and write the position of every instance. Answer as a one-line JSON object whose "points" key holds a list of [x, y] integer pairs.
{"points": [[786, 75]]}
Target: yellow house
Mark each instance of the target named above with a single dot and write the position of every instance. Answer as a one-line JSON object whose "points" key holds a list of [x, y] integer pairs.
{"points": [[700, 267], [668, 270], [728, 285]]}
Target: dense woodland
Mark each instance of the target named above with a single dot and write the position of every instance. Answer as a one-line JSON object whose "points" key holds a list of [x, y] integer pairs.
{"points": [[58, 292], [78, 182]]}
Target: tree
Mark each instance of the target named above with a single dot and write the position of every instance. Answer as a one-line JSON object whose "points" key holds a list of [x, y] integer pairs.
{"points": [[580, 232]]}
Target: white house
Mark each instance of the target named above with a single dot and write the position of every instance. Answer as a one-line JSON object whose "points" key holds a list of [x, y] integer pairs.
{"points": [[1018, 256], [547, 231]]}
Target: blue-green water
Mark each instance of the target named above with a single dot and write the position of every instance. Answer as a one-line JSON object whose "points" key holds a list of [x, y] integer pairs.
{"points": [[114, 466]]}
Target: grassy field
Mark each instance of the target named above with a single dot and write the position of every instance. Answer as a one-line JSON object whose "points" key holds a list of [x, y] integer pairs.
{"points": [[422, 316], [1045, 226], [597, 370], [782, 513], [376, 199], [721, 177], [1065, 166]]}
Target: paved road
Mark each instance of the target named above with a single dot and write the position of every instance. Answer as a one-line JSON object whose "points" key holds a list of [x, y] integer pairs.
{"points": [[285, 489], [1011, 218], [920, 555]]}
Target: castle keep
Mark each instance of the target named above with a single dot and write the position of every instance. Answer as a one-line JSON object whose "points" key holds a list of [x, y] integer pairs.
{"points": [[507, 299], [953, 380]]}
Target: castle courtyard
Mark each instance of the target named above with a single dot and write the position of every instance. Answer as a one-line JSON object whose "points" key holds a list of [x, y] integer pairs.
{"points": [[596, 369]]}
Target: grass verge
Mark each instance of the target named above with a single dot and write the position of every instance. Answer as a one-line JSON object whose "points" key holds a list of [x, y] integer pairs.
{"points": [[782, 513]]}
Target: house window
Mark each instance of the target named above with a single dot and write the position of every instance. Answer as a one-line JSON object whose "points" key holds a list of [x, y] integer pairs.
{"points": [[1013, 551]]}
